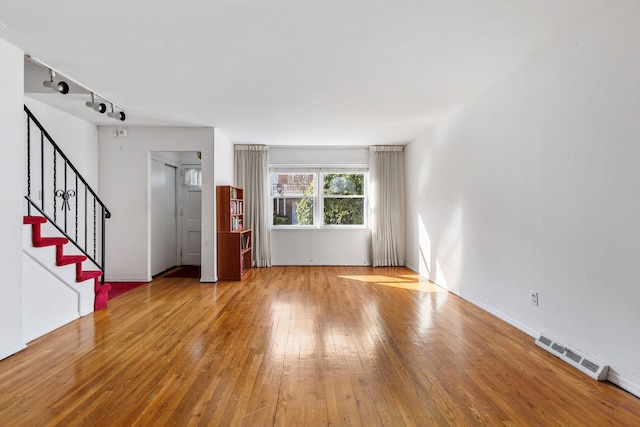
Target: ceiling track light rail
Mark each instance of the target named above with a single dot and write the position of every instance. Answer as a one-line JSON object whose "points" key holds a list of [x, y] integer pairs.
{"points": [[59, 83]]}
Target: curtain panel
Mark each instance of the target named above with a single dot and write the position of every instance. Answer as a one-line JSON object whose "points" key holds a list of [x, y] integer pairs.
{"points": [[386, 176], [252, 174]]}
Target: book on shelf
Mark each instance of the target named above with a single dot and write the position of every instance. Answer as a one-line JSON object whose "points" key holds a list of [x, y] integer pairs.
{"points": [[236, 207], [236, 223], [245, 241]]}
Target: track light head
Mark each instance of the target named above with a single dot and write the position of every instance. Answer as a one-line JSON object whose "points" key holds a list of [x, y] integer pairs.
{"points": [[100, 107], [117, 114], [57, 86]]}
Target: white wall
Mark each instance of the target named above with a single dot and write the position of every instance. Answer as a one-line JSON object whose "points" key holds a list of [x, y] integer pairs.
{"points": [[11, 177], [124, 164], [318, 156], [534, 186], [321, 247], [223, 159], [51, 295]]}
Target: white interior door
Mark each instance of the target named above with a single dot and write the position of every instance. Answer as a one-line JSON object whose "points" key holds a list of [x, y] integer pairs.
{"points": [[170, 218], [191, 225], [163, 217]]}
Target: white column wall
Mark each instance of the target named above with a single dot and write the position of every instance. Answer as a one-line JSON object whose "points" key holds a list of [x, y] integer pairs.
{"points": [[534, 186], [12, 175], [223, 159]]}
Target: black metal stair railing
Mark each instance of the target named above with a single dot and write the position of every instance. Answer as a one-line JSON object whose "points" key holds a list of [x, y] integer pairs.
{"points": [[59, 192]]}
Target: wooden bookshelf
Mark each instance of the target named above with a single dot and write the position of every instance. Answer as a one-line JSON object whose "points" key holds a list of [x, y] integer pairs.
{"points": [[230, 202], [234, 241]]}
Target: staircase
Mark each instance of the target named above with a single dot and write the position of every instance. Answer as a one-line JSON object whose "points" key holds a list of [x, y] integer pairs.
{"points": [[101, 290], [64, 213]]}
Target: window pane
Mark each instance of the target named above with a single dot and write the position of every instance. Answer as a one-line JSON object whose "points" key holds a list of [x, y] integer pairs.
{"points": [[344, 211], [193, 177], [291, 184], [344, 184], [292, 211]]}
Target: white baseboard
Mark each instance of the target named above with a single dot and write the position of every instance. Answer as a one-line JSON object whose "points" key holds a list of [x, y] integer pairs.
{"points": [[521, 326], [612, 375], [10, 351], [624, 384]]}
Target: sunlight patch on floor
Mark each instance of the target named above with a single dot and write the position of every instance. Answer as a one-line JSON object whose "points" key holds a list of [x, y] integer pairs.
{"points": [[412, 282], [373, 278], [415, 286]]}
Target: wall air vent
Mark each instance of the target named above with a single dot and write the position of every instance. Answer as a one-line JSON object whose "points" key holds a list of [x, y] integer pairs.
{"points": [[575, 358]]}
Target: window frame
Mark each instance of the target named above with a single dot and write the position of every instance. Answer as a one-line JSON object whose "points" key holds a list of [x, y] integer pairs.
{"points": [[319, 197], [312, 197]]}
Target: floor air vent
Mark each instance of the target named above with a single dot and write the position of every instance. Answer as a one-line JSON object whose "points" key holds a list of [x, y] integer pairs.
{"points": [[586, 364]]}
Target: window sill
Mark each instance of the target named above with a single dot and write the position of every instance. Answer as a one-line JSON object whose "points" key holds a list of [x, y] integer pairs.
{"points": [[326, 228]]}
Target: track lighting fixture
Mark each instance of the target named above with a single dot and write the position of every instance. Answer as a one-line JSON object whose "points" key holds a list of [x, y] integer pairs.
{"points": [[61, 83], [56, 86], [100, 107], [117, 114]]}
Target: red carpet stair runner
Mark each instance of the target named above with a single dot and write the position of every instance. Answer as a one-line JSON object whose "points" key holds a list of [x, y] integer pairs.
{"points": [[101, 291]]}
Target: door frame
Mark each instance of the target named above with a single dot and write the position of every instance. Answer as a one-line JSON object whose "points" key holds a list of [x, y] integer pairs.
{"points": [[157, 156]]}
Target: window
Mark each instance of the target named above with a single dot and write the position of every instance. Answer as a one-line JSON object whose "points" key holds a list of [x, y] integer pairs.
{"points": [[340, 201], [192, 176], [293, 198], [343, 199]]}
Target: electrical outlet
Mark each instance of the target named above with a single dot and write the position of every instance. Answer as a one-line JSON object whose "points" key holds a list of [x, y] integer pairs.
{"points": [[534, 298]]}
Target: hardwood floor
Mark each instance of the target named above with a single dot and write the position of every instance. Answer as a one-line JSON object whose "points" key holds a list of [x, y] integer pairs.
{"points": [[306, 346]]}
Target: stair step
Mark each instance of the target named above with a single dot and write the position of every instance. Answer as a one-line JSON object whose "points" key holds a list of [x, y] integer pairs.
{"points": [[89, 274], [34, 220], [70, 259], [38, 241], [50, 241]]}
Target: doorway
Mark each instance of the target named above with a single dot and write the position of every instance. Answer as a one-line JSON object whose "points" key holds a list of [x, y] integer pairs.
{"points": [[175, 215], [164, 226]]}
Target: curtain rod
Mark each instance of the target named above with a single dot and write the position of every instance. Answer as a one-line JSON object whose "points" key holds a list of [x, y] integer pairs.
{"points": [[324, 147]]}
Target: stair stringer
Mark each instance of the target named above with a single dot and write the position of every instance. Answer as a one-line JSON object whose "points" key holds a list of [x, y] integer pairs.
{"points": [[46, 258]]}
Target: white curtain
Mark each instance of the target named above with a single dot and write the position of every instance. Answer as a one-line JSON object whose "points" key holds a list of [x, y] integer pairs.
{"points": [[386, 175], [252, 174], [193, 177]]}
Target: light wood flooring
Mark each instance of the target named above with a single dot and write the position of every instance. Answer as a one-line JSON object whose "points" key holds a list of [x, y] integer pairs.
{"points": [[299, 346]]}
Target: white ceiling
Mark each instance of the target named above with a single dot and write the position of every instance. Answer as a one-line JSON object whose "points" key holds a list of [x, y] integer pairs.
{"points": [[286, 72]]}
